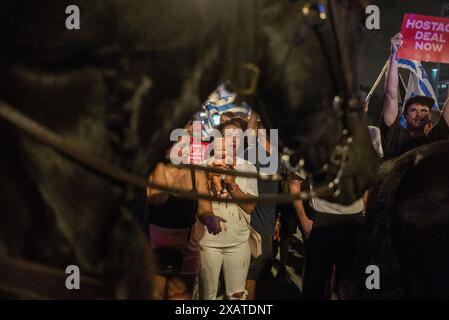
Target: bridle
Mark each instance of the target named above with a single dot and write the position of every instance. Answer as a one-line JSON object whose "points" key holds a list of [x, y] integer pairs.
{"points": [[323, 23]]}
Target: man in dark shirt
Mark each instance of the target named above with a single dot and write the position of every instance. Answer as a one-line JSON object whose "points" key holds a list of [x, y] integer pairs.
{"points": [[396, 139], [263, 218]]}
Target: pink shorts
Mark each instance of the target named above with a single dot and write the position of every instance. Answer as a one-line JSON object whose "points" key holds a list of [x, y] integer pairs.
{"points": [[178, 239]]}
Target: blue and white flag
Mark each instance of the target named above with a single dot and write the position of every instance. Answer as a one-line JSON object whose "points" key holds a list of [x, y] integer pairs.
{"points": [[221, 101], [418, 82]]}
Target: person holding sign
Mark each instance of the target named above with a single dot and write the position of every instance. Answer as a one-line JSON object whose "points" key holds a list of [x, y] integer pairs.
{"points": [[397, 140]]}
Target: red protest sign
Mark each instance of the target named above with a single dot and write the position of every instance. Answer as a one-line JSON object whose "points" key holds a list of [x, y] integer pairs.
{"points": [[198, 152], [425, 38]]}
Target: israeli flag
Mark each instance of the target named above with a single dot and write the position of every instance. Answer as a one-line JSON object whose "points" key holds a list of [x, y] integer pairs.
{"points": [[221, 101], [418, 82]]}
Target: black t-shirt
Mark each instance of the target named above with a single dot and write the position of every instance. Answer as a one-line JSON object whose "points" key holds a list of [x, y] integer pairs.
{"points": [[263, 219], [396, 140]]}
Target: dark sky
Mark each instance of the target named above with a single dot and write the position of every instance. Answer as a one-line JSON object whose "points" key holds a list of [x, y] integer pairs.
{"points": [[376, 43]]}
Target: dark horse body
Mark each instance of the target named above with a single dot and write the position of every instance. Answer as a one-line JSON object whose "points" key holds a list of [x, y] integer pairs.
{"points": [[118, 86], [407, 222]]}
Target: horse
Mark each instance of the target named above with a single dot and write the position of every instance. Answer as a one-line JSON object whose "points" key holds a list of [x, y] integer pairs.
{"points": [[405, 232], [121, 83]]}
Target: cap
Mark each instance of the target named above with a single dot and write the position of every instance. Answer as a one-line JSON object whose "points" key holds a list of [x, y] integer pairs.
{"points": [[424, 100]]}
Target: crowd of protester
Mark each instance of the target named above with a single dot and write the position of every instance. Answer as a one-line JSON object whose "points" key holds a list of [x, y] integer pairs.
{"points": [[207, 241]]}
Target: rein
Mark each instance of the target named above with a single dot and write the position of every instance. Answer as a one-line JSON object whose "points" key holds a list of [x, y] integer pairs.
{"points": [[113, 173]]}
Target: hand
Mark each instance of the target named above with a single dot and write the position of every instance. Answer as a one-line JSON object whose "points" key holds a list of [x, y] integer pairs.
{"points": [[219, 164], [216, 183], [212, 222], [307, 224], [229, 179], [277, 229], [252, 121], [396, 43], [428, 128], [216, 178]]}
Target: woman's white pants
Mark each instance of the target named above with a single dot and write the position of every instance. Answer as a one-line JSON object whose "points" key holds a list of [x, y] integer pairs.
{"points": [[235, 263]]}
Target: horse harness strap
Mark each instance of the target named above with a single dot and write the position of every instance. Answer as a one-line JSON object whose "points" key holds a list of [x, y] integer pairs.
{"points": [[325, 29], [107, 170]]}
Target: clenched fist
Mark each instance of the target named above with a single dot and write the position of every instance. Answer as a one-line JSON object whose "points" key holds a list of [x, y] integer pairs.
{"points": [[396, 43]]}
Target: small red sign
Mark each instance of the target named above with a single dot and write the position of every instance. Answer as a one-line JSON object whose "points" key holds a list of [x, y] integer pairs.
{"points": [[426, 38], [198, 152]]}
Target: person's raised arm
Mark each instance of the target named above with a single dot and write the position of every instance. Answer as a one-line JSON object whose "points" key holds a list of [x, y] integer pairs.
{"points": [[205, 212], [253, 124], [390, 110], [236, 192], [252, 121], [445, 110]]}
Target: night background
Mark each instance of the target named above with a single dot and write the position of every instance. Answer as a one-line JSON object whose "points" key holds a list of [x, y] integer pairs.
{"points": [[86, 122], [376, 45]]}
